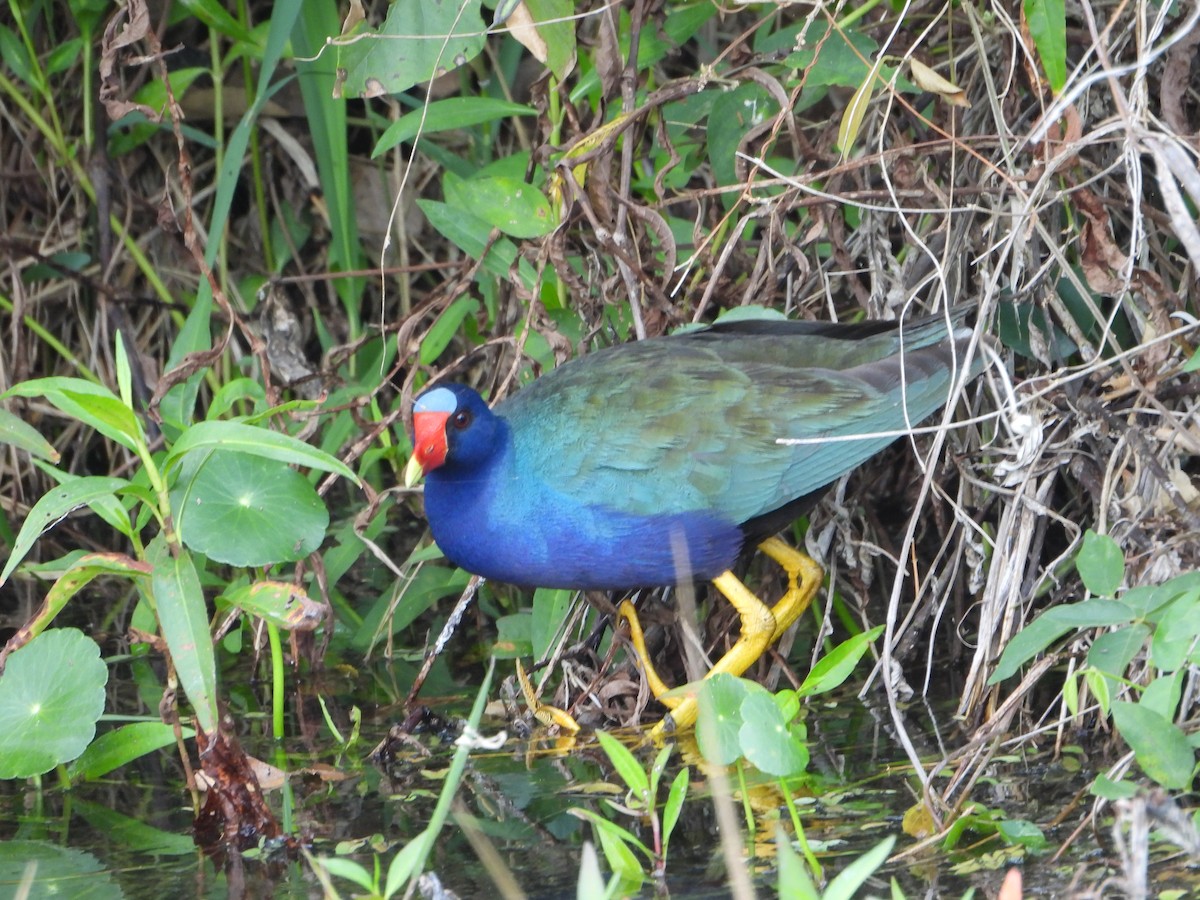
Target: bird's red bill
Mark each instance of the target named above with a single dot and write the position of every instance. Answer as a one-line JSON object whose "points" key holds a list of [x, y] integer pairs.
{"points": [[429, 438]]}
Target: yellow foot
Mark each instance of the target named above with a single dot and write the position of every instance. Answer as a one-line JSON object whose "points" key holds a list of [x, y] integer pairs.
{"points": [[547, 715], [761, 627]]}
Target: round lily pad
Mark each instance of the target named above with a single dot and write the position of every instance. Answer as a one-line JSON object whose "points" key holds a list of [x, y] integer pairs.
{"points": [[247, 510], [51, 695]]}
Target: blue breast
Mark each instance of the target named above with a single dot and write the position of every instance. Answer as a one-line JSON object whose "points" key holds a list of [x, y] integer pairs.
{"points": [[518, 529]]}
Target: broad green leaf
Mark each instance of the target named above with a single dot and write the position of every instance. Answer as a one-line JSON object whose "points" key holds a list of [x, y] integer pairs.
{"points": [[765, 738], [733, 114], [552, 19], [122, 745], [1101, 564], [719, 722], [794, 880], [16, 431], [447, 115], [52, 507], [1113, 651], [92, 404], [832, 670], [182, 614], [1023, 833], [550, 608], [1176, 633], [627, 767], [248, 511], [1162, 695], [1047, 21], [51, 696], [509, 204], [256, 441], [512, 636], [61, 871], [418, 41], [615, 841], [215, 16], [1101, 687], [1162, 750], [78, 574], [1108, 789], [130, 833], [1053, 624], [279, 602]]}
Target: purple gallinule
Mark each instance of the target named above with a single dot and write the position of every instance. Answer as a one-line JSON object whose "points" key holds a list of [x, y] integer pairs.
{"points": [[656, 462]]}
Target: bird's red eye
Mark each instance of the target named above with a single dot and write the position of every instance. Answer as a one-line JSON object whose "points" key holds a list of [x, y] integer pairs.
{"points": [[461, 419]]}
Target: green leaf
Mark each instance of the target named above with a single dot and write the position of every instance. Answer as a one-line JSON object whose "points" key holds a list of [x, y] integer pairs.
{"points": [[52, 507], [418, 41], [719, 721], [132, 835], [765, 738], [248, 511], [1101, 564], [79, 572], [1162, 749], [51, 696], [1022, 833], [733, 114], [674, 806], [512, 636], [1176, 633], [615, 841], [1193, 362], [92, 404], [282, 604], [552, 19], [447, 115], [179, 602], [1113, 651], [443, 330], [1053, 624], [256, 441], [794, 880], [122, 745], [214, 15], [1048, 27], [1107, 789], [855, 875], [61, 871], [627, 766], [1162, 695], [23, 436], [550, 608], [856, 110], [832, 670], [516, 208]]}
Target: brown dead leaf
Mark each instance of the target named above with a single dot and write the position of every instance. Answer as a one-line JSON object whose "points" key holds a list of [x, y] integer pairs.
{"points": [[129, 25], [928, 80], [521, 26], [1102, 259]]}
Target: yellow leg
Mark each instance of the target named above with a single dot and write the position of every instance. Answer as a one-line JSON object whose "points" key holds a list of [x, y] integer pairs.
{"points": [[761, 626], [547, 715]]}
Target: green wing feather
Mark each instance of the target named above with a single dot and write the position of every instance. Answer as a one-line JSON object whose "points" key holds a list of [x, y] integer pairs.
{"points": [[691, 422]]}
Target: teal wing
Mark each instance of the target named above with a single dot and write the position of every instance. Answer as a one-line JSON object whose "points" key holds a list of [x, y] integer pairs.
{"points": [[692, 422]]}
